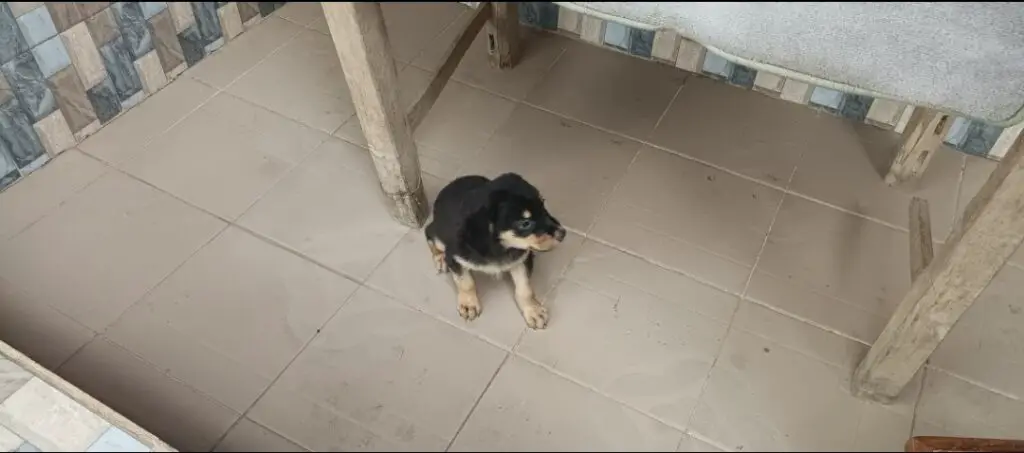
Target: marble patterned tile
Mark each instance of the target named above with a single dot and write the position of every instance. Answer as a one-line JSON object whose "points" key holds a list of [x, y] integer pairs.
{"points": [[89, 9], [134, 28], [65, 14], [85, 57], [8, 440], [104, 101], [20, 140], [181, 15], [21, 8], [151, 72], [12, 378], [742, 76], [230, 20], [191, 43], [54, 133], [49, 419], [5, 89], [855, 107], [72, 99], [29, 85], [207, 21], [247, 11], [165, 39], [36, 26], [51, 56], [150, 9], [118, 61], [103, 27], [115, 440], [12, 42], [641, 42]]}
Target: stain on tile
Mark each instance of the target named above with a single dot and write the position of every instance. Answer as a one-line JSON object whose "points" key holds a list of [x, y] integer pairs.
{"points": [[37, 26], [103, 98], [118, 61], [51, 56], [29, 86], [165, 39], [21, 8], [65, 14], [641, 42], [134, 28], [12, 42], [49, 419], [54, 133], [742, 76], [248, 10], [12, 378], [207, 21], [103, 27], [150, 9], [20, 140], [71, 98], [191, 45], [115, 440], [855, 107]]}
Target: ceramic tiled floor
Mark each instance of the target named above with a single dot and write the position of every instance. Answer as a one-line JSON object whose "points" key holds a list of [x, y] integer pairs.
{"points": [[217, 264]]}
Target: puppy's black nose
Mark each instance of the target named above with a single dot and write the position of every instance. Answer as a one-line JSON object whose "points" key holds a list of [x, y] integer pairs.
{"points": [[560, 234]]}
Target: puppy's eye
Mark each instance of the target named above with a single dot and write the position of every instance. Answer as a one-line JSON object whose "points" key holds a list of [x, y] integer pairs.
{"points": [[524, 224]]}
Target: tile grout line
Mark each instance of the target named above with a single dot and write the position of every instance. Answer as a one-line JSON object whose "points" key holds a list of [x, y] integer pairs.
{"points": [[975, 383], [917, 400], [472, 409]]}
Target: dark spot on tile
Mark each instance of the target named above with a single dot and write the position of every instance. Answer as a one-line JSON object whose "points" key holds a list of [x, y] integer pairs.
{"points": [[711, 177], [104, 100], [767, 350], [1014, 309]]}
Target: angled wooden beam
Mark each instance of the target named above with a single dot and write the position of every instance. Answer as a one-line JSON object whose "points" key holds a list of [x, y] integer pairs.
{"points": [[452, 59], [503, 35], [983, 240], [921, 246], [361, 41], [921, 140]]}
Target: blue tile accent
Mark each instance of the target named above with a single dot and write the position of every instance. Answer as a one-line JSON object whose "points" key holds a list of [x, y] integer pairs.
{"points": [[191, 45], [742, 76], [715, 65], [37, 26], [51, 56], [616, 35], [103, 98], [119, 63], [207, 21], [17, 137], [150, 9], [12, 42], [957, 134], [980, 138], [641, 42], [27, 448], [134, 28], [115, 440], [29, 85], [826, 97], [855, 107]]}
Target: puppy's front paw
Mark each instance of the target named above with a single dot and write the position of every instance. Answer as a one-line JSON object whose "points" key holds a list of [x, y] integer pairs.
{"points": [[439, 263], [469, 306], [536, 315]]}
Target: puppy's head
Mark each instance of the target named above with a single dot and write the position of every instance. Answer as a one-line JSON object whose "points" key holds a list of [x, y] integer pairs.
{"points": [[519, 217]]}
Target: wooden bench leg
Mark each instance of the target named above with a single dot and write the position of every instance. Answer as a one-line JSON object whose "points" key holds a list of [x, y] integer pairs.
{"points": [[357, 29], [503, 43], [921, 139], [982, 242]]}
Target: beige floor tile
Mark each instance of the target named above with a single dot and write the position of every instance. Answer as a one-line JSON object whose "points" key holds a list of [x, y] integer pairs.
{"points": [[713, 227], [241, 303], [223, 67], [413, 26], [690, 443], [832, 268], [316, 96], [528, 408], [45, 189], [174, 412], [573, 165], [225, 156], [38, 330], [650, 353], [49, 419], [987, 344], [126, 136], [106, 248], [457, 127], [607, 89], [302, 13], [780, 384], [404, 376], [741, 130], [849, 173], [952, 407], [976, 172], [330, 209], [408, 275], [539, 51], [247, 435]]}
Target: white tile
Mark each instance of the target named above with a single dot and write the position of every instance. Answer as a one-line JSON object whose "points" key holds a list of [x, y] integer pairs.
{"points": [[115, 440], [12, 378], [617, 35], [8, 440], [50, 419], [826, 97]]}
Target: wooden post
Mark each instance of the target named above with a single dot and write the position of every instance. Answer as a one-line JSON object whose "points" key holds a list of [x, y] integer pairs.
{"points": [[361, 41], [503, 35], [922, 250], [984, 239], [921, 139]]}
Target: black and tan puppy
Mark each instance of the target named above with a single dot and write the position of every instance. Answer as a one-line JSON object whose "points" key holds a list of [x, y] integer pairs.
{"points": [[493, 227]]}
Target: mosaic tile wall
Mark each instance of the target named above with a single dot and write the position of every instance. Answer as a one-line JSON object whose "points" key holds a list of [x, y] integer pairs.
{"points": [[68, 68], [667, 47]]}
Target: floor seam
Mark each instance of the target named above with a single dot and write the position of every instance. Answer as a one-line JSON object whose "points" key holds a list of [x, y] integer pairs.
{"points": [[476, 403]]}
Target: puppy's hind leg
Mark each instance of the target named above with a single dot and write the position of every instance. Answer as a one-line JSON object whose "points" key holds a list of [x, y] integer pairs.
{"points": [[436, 250], [469, 303], [535, 315]]}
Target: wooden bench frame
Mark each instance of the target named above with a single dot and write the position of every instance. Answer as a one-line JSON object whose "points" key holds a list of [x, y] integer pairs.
{"points": [[943, 288]]}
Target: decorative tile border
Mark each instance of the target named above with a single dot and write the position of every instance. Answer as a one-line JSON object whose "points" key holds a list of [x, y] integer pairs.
{"points": [[68, 68], [668, 47]]}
